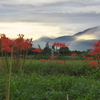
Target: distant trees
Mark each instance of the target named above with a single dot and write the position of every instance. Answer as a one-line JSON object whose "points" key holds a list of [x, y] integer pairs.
{"points": [[47, 49], [64, 51]]}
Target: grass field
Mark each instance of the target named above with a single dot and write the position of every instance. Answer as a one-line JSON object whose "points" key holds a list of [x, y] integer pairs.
{"points": [[50, 80]]}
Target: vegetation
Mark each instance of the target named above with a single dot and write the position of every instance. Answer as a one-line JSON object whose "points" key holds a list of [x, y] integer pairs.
{"points": [[36, 75], [51, 81]]}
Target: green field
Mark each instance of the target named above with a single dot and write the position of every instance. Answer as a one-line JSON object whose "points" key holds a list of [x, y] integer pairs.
{"points": [[72, 80]]}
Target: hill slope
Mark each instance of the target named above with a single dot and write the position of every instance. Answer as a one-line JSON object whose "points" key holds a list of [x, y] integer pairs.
{"points": [[79, 41]]}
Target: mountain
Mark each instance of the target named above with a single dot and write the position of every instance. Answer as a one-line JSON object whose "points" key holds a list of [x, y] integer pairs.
{"points": [[80, 41], [90, 31]]}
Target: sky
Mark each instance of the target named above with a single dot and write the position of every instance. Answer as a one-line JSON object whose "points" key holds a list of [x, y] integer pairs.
{"points": [[51, 18]]}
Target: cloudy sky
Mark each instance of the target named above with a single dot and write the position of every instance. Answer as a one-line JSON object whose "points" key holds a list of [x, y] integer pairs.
{"points": [[53, 18]]}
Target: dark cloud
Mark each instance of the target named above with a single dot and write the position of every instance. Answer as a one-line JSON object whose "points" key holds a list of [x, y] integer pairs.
{"points": [[49, 17], [62, 6]]}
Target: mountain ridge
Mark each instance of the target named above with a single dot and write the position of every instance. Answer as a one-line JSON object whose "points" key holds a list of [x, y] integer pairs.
{"points": [[80, 41]]}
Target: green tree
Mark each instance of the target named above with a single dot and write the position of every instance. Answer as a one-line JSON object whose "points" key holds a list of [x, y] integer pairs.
{"points": [[47, 49], [64, 51]]}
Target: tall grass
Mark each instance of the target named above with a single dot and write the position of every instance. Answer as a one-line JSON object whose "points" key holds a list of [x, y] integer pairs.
{"points": [[52, 81], [69, 67], [52, 87]]}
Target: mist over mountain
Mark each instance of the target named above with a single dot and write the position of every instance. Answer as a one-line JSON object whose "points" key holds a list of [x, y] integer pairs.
{"points": [[80, 41]]}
